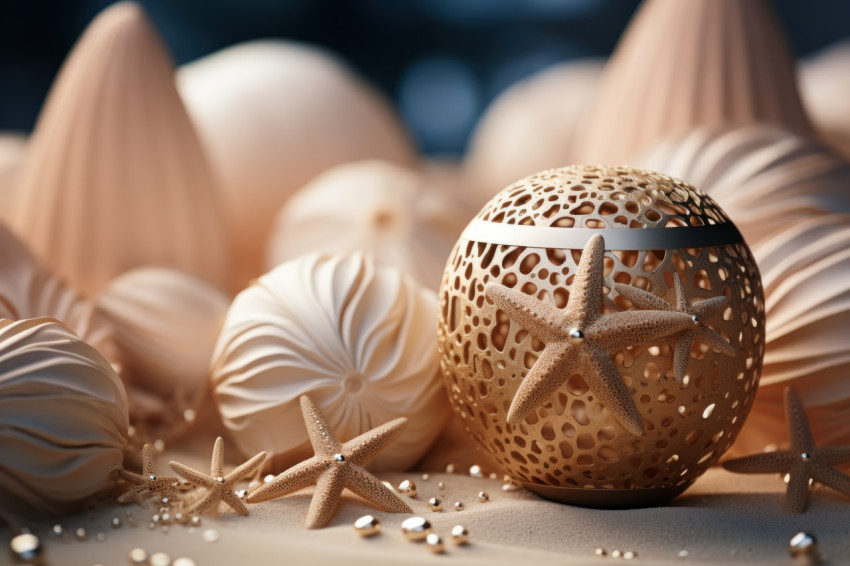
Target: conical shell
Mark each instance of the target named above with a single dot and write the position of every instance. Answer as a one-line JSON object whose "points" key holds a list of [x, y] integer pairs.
{"points": [[681, 65], [115, 177], [63, 419], [12, 151], [374, 207], [273, 115]]}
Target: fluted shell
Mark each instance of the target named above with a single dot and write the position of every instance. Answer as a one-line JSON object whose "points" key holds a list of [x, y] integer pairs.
{"points": [[165, 325], [805, 269], [358, 338], [12, 152], [375, 207], [63, 419], [29, 290], [682, 65], [531, 126], [115, 176], [273, 115], [765, 178], [825, 88]]}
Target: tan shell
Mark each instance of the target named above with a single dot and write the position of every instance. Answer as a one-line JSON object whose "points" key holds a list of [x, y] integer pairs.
{"points": [[63, 419], [165, 325], [532, 126], [115, 177], [354, 336], [273, 115], [681, 65], [572, 441], [374, 207], [825, 87], [12, 151]]}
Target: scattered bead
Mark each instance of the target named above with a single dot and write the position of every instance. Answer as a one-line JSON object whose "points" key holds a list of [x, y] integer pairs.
{"points": [[600, 552], [628, 555], [189, 415], [483, 496], [450, 468], [115, 522], [460, 535], [195, 521], [475, 471], [100, 537], [803, 544], [58, 530], [268, 478], [151, 525], [165, 529], [440, 485], [26, 547], [211, 535], [181, 518], [435, 543], [183, 561], [683, 554], [425, 477], [241, 493], [494, 476], [367, 526], [80, 533], [415, 528], [159, 445], [164, 501], [616, 554], [435, 504], [160, 559], [156, 518], [459, 506], [138, 556], [510, 487], [408, 488]]}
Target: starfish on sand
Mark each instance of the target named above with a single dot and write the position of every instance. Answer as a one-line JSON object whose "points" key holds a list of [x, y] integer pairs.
{"points": [[698, 312], [803, 461], [335, 467], [147, 483], [219, 487], [579, 339]]}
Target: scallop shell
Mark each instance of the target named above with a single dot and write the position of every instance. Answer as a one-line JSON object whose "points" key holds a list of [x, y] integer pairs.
{"points": [[375, 207], [273, 115], [682, 65], [115, 177], [63, 419], [357, 337]]}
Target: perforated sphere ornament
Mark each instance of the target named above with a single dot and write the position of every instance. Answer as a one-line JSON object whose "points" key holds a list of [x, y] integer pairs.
{"points": [[601, 334]]}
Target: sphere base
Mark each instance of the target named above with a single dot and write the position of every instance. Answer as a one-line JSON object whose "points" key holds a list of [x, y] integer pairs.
{"points": [[608, 498]]}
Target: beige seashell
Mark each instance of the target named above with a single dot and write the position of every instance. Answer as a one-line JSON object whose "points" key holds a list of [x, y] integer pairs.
{"points": [[681, 65], [165, 325], [764, 178], [28, 290], [531, 126], [356, 337], [825, 87], [63, 419], [12, 151], [375, 207], [115, 177], [275, 114]]}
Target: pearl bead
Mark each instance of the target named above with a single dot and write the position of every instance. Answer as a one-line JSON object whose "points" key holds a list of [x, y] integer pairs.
{"points": [[803, 544], [408, 488], [415, 528], [339, 459], [460, 535], [435, 543], [26, 547], [459, 506], [475, 471], [367, 526], [435, 504], [483, 497], [577, 335]]}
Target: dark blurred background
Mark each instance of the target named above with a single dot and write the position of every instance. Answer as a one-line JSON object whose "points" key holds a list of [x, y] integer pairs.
{"points": [[420, 53]]}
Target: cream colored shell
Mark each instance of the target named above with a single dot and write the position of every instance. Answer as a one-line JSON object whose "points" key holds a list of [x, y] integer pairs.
{"points": [[12, 151], [825, 88], [358, 338], [273, 115], [115, 176], [63, 419], [375, 207]]}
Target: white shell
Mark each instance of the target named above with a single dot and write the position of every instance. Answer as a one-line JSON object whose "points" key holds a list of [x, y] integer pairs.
{"points": [[63, 418], [165, 324], [273, 115], [357, 337], [115, 176], [374, 207]]}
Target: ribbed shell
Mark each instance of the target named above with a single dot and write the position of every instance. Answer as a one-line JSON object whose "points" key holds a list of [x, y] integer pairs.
{"points": [[356, 337], [374, 207], [115, 176], [63, 419], [681, 65]]}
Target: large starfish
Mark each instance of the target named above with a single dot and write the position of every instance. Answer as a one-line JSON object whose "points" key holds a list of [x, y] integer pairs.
{"points": [[803, 461], [579, 339], [218, 486], [334, 467], [698, 312], [147, 483]]}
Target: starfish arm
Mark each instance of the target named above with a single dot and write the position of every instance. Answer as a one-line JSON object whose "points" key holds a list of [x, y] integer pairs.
{"points": [[193, 476], [797, 494], [715, 341], [642, 299], [133, 477], [778, 462], [297, 477], [362, 449], [130, 496], [831, 455], [234, 502], [831, 477], [246, 469], [209, 501], [542, 320], [374, 491], [624, 329], [601, 375], [319, 429], [705, 309], [217, 460], [682, 303], [548, 373], [147, 460], [682, 355], [326, 498], [586, 290], [798, 425]]}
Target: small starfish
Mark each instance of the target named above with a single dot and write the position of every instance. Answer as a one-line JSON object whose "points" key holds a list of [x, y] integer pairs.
{"points": [[334, 467], [218, 486], [803, 461], [698, 312], [147, 483], [579, 339]]}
